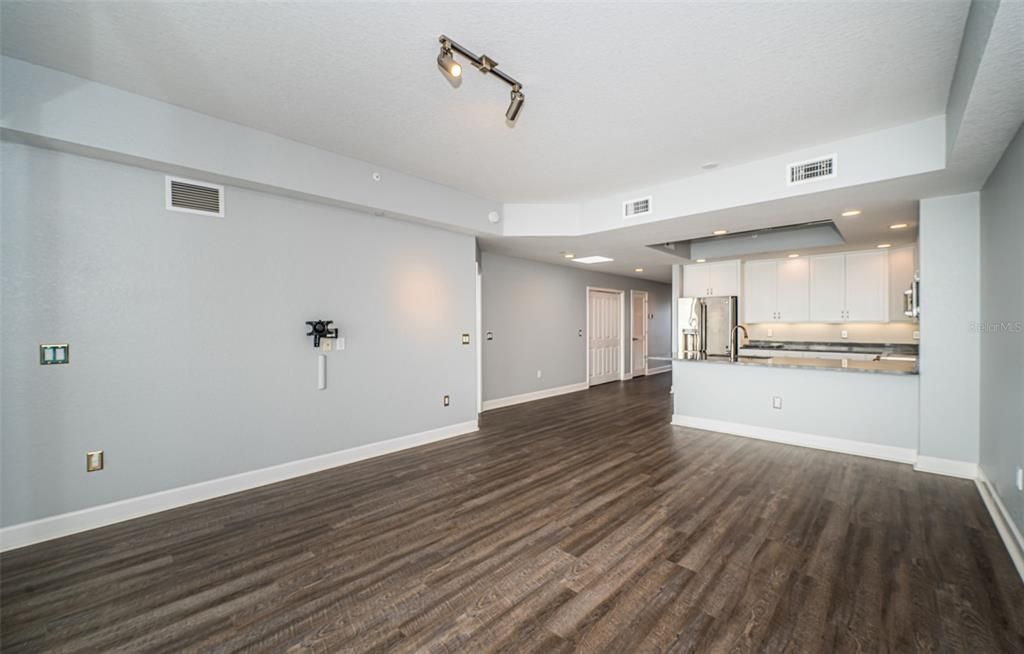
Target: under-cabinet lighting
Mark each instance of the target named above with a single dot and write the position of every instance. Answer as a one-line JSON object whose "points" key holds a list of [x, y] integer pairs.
{"points": [[593, 259]]}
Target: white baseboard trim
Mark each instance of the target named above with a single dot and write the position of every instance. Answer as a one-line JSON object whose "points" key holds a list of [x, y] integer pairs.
{"points": [[1008, 531], [658, 371], [535, 395], [36, 531], [948, 467], [828, 443]]}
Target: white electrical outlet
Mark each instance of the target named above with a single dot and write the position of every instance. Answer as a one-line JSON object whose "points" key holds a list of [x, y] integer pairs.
{"points": [[1020, 479], [340, 343], [770, 333], [776, 402], [917, 336], [844, 334], [326, 345], [539, 374]]}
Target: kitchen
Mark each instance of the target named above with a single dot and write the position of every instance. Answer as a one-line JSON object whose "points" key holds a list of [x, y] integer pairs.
{"points": [[818, 349]]}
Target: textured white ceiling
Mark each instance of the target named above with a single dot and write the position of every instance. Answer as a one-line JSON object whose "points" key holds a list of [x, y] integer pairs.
{"points": [[618, 95]]}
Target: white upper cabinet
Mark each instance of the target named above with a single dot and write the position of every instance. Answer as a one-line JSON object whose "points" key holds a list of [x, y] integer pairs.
{"points": [[706, 279], [828, 288], [760, 291], [724, 277], [851, 287], [775, 291], [695, 280], [793, 290], [867, 286]]}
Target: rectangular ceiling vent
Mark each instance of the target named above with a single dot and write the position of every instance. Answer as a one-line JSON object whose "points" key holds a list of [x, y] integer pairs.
{"points": [[635, 208], [191, 196], [802, 172]]}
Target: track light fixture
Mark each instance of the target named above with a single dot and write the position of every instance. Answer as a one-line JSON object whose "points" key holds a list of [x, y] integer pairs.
{"points": [[447, 62], [516, 104], [485, 65]]}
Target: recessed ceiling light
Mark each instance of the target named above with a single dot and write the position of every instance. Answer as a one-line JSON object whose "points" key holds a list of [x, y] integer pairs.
{"points": [[701, 260], [850, 213], [885, 245], [709, 165], [719, 232], [593, 259], [568, 255], [898, 226], [638, 270], [794, 256]]}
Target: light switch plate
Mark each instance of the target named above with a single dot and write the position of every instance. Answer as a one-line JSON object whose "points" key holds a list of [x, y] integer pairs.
{"points": [[465, 339], [1020, 479], [776, 402], [844, 334], [446, 401], [917, 335], [94, 461]]}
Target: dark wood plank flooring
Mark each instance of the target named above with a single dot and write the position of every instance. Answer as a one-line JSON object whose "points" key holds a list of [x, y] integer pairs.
{"points": [[579, 523]]}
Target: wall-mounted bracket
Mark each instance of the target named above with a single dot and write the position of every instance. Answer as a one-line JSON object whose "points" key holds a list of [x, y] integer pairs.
{"points": [[320, 329]]}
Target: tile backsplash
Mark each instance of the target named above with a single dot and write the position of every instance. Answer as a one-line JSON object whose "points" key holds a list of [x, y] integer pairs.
{"points": [[856, 332]]}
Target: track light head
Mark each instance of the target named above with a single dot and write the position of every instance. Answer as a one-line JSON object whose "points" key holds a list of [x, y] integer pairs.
{"points": [[447, 62], [516, 104]]}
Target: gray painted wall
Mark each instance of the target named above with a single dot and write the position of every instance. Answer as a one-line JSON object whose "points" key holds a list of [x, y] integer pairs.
{"points": [[188, 355], [536, 311], [870, 408], [950, 274], [1002, 345]]}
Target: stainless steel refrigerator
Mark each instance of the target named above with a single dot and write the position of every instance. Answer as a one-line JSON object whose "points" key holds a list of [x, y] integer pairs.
{"points": [[706, 325]]}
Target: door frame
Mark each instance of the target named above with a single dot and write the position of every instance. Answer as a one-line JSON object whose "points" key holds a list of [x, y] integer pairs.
{"points": [[479, 339], [633, 294], [622, 332]]}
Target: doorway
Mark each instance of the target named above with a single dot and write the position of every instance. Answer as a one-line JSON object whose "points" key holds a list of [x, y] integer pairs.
{"points": [[638, 331], [605, 335]]}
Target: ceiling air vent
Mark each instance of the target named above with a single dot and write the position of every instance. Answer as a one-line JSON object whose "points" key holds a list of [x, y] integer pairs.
{"points": [[812, 169], [636, 207], [191, 196]]}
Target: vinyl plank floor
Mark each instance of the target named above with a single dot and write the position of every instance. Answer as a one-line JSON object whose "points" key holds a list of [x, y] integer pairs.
{"points": [[584, 522]]}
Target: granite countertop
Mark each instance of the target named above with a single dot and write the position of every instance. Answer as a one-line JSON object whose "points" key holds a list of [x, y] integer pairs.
{"points": [[909, 349], [843, 365]]}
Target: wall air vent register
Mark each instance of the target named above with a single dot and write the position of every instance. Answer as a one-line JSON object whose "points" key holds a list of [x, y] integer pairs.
{"points": [[639, 207], [811, 170], [191, 196]]}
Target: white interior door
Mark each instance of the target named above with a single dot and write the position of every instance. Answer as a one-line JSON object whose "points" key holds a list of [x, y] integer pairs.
{"points": [[639, 332], [605, 337]]}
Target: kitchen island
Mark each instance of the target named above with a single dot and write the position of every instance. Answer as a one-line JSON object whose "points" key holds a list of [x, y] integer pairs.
{"points": [[827, 404]]}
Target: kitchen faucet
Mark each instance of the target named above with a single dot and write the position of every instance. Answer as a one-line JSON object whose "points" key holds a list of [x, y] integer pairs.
{"points": [[734, 354]]}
